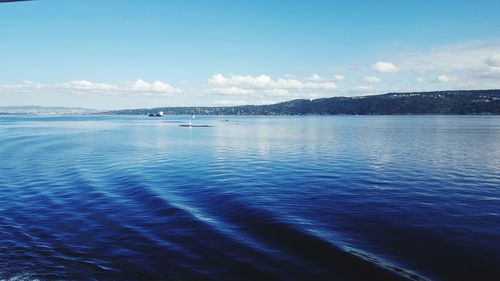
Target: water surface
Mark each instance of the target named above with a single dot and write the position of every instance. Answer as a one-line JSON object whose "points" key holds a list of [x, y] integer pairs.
{"points": [[250, 198]]}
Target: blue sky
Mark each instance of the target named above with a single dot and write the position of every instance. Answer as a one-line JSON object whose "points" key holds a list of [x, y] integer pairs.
{"points": [[127, 54]]}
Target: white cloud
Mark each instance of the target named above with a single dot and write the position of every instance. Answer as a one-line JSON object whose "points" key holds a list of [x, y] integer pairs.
{"points": [[24, 86], [217, 79], [265, 81], [229, 91], [87, 85], [493, 71], [493, 61], [322, 86], [339, 77], [385, 67], [289, 84], [279, 93], [235, 80], [363, 89], [159, 86], [138, 87], [315, 77], [420, 79], [155, 87], [452, 58], [445, 78], [474, 62], [371, 79], [265, 85]]}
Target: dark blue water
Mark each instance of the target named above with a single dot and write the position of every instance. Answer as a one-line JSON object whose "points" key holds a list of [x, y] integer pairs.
{"points": [[250, 198]]}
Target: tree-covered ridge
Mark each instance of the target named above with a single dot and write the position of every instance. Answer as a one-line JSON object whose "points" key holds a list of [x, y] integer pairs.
{"points": [[439, 102]]}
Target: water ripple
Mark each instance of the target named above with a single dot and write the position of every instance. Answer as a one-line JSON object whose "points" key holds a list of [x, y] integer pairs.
{"points": [[286, 198]]}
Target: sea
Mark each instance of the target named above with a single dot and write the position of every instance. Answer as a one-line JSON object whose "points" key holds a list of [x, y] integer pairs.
{"points": [[249, 198]]}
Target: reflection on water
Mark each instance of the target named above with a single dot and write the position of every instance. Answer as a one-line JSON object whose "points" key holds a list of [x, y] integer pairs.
{"points": [[250, 198]]}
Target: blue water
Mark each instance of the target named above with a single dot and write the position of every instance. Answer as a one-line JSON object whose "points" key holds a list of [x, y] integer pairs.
{"points": [[250, 198]]}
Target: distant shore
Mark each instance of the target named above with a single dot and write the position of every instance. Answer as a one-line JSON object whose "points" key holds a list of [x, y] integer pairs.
{"points": [[464, 102]]}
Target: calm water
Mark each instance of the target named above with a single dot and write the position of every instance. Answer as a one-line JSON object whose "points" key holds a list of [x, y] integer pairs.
{"points": [[250, 198]]}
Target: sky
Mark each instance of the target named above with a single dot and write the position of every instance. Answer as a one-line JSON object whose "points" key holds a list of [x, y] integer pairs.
{"points": [[136, 54]]}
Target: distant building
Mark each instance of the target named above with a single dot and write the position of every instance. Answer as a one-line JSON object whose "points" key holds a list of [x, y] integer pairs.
{"points": [[159, 114]]}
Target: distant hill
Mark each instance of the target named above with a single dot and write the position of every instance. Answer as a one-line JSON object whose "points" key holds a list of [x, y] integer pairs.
{"points": [[439, 102], [41, 110]]}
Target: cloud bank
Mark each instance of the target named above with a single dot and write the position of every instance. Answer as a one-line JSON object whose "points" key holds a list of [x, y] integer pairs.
{"points": [[137, 87], [265, 85]]}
